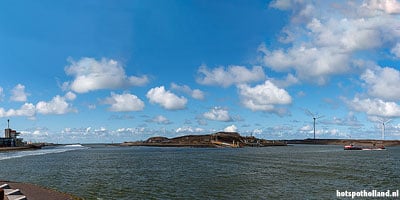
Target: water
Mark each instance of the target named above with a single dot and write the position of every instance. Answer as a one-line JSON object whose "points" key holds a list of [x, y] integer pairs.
{"points": [[292, 172]]}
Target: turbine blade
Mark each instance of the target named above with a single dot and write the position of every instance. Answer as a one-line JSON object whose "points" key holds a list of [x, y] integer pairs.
{"points": [[309, 112]]}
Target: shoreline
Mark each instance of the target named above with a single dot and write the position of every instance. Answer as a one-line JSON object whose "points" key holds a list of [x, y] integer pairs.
{"points": [[125, 144], [344, 142], [23, 148]]}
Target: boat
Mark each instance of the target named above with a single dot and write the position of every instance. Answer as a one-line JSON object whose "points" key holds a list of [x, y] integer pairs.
{"points": [[356, 147], [352, 147]]}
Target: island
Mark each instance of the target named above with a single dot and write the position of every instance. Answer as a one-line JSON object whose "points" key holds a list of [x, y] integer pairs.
{"points": [[219, 139]]}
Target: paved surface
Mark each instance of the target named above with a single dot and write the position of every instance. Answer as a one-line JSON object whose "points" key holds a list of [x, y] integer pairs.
{"points": [[35, 192]]}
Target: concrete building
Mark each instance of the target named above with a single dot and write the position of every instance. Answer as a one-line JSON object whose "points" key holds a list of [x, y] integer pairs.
{"points": [[10, 138]]}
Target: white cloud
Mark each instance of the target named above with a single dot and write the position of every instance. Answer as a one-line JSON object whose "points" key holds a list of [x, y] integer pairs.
{"points": [[310, 63], [124, 102], [218, 114], [349, 120], [37, 134], [166, 99], [288, 81], [188, 129], [26, 110], [91, 74], [383, 83], [196, 93], [232, 75], [396, 50], [70, 96], [159, 119], [324, 42], [18, 93], [231, 128], [58, 105], [263, 97], [387, 6], [375, 107], [306, 129], [281, 4]]}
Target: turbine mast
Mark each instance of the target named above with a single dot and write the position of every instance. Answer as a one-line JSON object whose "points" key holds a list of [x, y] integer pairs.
{"points": [[383, 128], [315, 117]]}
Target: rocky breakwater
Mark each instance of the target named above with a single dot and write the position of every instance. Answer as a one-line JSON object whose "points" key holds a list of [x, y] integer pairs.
{"points": [[219, 139]]}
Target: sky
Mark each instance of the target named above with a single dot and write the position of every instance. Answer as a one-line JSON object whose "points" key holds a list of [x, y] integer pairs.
{"points": [[113, 71]]}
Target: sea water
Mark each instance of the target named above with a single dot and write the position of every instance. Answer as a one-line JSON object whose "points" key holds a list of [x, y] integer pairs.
{"points": [[291, 172]]}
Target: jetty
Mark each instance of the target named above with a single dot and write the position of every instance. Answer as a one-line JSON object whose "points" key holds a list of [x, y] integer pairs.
{"points": [[215, 140]]}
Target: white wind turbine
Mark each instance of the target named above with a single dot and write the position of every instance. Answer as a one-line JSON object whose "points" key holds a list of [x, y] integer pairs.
{"points": [[383, 127], [315, 117]]}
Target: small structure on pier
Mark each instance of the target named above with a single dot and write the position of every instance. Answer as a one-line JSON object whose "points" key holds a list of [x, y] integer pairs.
{"points": [[10, 137]]}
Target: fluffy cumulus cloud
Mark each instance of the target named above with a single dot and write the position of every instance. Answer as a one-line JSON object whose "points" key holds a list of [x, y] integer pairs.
{"points": [[263, 97], [91, 74], [26, 110], [18, 93], [309, 63], [232, 75], [375, 107], [124, 102], [70, 96], [383, 82], [218, 114], [231, 128], [324, 42], [387, 6], [194, 93], [166, 98], [58, 105]]}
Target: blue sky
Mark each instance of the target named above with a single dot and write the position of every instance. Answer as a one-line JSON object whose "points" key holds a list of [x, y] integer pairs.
{"points": [[114, 71]]}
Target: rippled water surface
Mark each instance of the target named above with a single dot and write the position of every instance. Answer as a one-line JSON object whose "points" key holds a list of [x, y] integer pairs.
{"points": [[292, 172]]}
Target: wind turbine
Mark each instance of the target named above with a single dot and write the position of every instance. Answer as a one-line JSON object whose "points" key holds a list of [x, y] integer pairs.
{"points": [[383, 127], [315, 117]]}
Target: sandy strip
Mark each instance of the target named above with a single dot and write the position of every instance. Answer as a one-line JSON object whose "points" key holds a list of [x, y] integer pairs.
{"points": [[35, 192]]}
